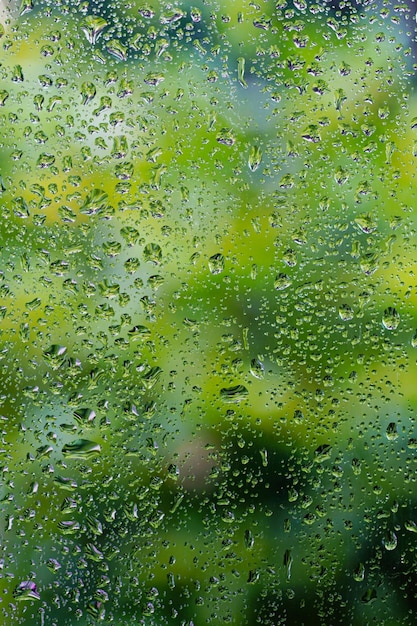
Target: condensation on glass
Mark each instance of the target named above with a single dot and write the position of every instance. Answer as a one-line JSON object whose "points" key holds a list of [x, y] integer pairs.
{"points": [[208, 313]]}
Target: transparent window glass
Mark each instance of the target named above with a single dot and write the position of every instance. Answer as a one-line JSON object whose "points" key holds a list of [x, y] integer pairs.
{"points": [[208, 313]]}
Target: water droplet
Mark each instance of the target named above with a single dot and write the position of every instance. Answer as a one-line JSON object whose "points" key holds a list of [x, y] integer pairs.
{"points": [[139, 333], [234, 394], [287, 181], [264, 457], [26, 6], [345, 312], [241, 72], [414, 340], [322, 453], [26, 590], [257, 369], [366, 223], [298, 416], [154, 78], [411, 526], [17, 74], [195, 14], [81, 449], [54, 355], [288, 560], [216, 263], [3, 96], [341, 176], [390, 540], [369, 263], [253, 576], [68, 484], [172, 16], [95, 202], [92, 27], [391, 432], [85, 416], [249, 539], [391, 318], [88, 91], [311, 134], [359, 573], [226, 137], [263, 22], [153, 253], [151, 377], [45, 160], [282, 281], [117, 49], [53, 565], [93, 553], [255, 157], [289, 257], [369, 596]]}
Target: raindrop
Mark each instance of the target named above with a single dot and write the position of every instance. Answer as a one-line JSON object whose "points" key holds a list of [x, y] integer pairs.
{"points": [[257, 369], [241, 72], [390, 540], [390, 318], [345, 312], [391, 432], [88, 91], [282, 281], [234, 394], [117, 49], [26, 590], [359, 573], [216, 263], [26, 6], [81, 449], [92, 27], [255, 158]]}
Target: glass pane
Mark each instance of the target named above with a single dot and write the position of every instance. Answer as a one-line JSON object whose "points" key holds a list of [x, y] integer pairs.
{"points": [[208, 326]]}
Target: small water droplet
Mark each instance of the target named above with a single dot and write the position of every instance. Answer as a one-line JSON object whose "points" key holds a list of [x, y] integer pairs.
{"points": [[390, 318], [153, 253], [345, 312], [53, 565], [391, 432], [322, 453], [26, 6], [226, 137], [88, 91], [390, 540], [288, 560], [249, 539], [216, 263], [3, 96], [92, 27], [282, 281], [255, 157], [359, 573], [257, 369], [411, 526], [117, 49], [241, 72]]}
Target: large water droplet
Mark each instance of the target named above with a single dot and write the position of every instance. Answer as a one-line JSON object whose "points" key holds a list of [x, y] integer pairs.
{"points": [[81, 449]]}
